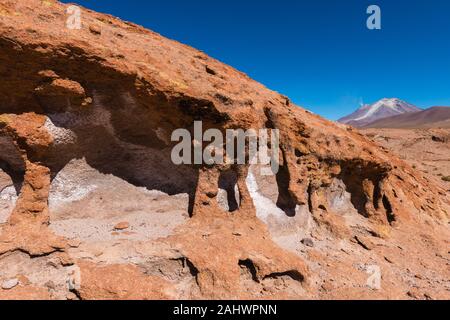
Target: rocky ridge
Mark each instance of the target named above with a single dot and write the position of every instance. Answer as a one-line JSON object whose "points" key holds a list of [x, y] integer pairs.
{"points": [[85, 123]]}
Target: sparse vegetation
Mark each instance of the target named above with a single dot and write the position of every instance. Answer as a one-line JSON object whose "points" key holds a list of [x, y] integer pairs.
{"points": [[447, 178]]}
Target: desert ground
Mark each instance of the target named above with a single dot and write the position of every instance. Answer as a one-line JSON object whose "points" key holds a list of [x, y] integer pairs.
{"points": [[428, 150]]}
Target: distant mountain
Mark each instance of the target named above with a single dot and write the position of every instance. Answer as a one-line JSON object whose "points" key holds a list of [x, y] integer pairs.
{"points": [[436, 117], [382, 109]]}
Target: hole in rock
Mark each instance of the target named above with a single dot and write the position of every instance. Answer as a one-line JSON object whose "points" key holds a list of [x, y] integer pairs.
{"points": [[12, 169], [125, 140], [285, 200], [388, 207], [376, 196], [286, 231], [356, 175], [179, 271], [11, 161], [228, 198], [339, 200], [171, 269], [113, 164], [293, 274], [86, 204], [248, 268], [8, 194], [192, 269]]}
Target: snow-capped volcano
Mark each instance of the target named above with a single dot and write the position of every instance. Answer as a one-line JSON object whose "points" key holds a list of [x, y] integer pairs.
{"points": [[382, 109]]}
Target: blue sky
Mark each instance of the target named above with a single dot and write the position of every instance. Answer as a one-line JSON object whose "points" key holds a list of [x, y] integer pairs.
{"points": [[318, 52]]}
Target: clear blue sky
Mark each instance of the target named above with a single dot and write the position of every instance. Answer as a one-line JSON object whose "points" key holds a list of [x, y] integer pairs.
{"points": [[317, 52]]}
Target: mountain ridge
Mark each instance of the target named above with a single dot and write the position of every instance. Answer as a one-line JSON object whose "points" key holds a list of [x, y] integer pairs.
{"points": [[434, 117], [383, 108]]}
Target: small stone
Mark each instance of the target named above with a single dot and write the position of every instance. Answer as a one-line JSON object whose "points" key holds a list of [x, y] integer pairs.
{"points": [[327, 286], [438, 139], [65, 260], [71, 296], [54, 262], [98, 253], [48, 74], [74, 243], [121, 226], [95, 29], [23, 280], [9, 284], [51, 285], [308, 242], [364, 242], [87, 102]]}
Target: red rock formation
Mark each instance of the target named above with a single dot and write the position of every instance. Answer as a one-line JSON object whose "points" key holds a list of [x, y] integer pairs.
{"points": [[111, 94]]}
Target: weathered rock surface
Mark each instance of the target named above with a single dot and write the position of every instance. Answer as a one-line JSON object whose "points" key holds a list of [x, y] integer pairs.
{"points": [[86, 118]]}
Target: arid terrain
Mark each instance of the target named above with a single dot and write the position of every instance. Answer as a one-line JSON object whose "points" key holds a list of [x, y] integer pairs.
{"points": [[427, 150], [92, 207]]}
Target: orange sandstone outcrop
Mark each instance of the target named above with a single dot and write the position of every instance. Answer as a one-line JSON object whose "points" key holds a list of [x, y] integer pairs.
{"points": [[86, 118]]}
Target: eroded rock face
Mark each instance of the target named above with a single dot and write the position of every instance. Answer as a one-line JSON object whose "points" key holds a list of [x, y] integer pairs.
{"points": [[85, 130], [87, 205]]}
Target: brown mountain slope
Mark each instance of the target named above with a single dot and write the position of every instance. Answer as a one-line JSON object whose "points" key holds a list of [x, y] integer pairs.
{"points": [[94, 208], [436, 117]]}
